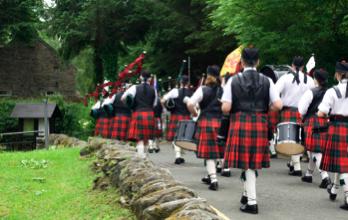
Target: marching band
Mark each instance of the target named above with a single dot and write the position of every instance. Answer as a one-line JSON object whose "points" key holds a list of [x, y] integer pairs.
{"points": [[241, 123]]}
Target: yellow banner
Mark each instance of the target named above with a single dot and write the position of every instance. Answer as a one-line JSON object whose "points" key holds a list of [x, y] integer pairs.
{"points": [[232, 62]]}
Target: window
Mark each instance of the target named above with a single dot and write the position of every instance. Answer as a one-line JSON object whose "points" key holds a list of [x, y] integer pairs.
{"points": [[5, 93]]}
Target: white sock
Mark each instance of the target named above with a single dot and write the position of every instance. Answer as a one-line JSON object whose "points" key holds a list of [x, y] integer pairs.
{"points": [[296, 162], [151, 144], [141, 149], [344, 178], [271, 147], [218, 163], [211, 169], [250, 176], [311, 164], [177, 150], [336, 183], [244, 189], [318, 157]]}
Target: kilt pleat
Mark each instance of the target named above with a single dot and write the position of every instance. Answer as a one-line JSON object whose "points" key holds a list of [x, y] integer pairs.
{"points": [[290, 115], [172, 126], [335, 157], [206, 136], [119, 127], [247, 143], [273, 119], [315, 141], [158, 127], [142, 126], [102, 127]]}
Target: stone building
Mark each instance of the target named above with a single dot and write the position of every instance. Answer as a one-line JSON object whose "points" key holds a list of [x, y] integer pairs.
{"points": [[34, 70]]}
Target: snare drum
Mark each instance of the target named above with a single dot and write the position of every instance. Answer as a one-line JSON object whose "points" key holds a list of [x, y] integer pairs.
{"points": [[289, 138], [184, 136]]}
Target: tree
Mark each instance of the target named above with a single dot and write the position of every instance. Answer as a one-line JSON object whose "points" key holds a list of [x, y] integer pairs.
{"points": [[19, 19], [282, 29]]}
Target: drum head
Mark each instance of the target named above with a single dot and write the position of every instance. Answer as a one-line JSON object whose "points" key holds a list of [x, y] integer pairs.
{"points": [[289, 148], [186, 145]]}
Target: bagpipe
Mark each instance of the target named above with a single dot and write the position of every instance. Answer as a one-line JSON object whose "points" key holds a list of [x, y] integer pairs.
{"points": [[129, 71]]}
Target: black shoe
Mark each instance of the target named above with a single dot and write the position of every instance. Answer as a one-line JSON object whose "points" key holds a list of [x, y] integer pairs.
{"points": [[252, 209], [214, 186], [244, 200], [345, 205], [218, 169], [206, 180], [291, 167], [274, 156], [295, 173], [332, 195], [307, 179], [324, 183], [157, 150], [150, 151], [226, 173], [179, 160]]}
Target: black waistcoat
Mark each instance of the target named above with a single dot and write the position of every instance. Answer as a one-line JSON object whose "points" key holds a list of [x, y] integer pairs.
{"points": [[180, 106], [145, 97], [119, 106], [250, 92], [158, 109], [210, 105], [318, 95]]}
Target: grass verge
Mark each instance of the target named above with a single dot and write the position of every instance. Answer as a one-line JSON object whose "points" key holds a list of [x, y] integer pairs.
{"points": [[53, 184]]}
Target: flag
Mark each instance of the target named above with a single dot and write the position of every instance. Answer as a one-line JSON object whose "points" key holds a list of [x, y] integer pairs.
{"points": [[232, 63], [310, 64]]}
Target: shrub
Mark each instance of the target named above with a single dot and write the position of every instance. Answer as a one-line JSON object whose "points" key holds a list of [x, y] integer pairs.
{"points": [[7, 124]]}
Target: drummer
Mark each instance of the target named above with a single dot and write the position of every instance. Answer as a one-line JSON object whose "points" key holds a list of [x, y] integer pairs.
{"points": [[248, 95], [291, 87], [335, 157], [179, 113], [314, 127], [208, 123]]}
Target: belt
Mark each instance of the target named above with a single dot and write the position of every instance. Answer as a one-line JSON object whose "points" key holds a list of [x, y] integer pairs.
{"points": [[339, 118], [290, 108]]}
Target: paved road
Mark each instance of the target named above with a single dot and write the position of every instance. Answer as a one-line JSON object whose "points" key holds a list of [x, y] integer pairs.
{"points": [[280, 196]]}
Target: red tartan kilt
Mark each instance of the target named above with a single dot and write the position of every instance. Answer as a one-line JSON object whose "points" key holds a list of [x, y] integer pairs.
{"points": [[290, 115], [158, 130], [206, 135], [119, 127], [335, 157], [173, 121], [102, 127], [315, 142], [142, 126], [273, 117], [247, 143]]}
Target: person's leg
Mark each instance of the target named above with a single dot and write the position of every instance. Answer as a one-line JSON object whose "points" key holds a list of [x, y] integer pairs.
{"points": [[344, 183], [211, 169], [308, 177], [151, 146], [141, 149], [156, 145], [333, 187], [250, 186], [295, 160], [178, 158], [325, 179]]}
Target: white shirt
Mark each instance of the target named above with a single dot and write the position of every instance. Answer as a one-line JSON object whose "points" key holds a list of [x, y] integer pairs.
{"points": [[133, 91], [197, 96], [305, 102], [227, 95], [172, 94], [331, 101], [96, 105], [109, 100], [290, 93]]}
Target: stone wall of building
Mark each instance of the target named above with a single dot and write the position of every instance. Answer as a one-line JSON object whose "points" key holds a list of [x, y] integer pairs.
{"points": [[34, 70]]}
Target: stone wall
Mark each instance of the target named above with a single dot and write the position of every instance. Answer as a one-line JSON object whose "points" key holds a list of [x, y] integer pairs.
{"points": [[33, 70], [149, 191]]}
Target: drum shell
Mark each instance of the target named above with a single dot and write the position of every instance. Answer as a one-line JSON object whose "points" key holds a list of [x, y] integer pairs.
{"points": [[185, 133], [289, 138]]}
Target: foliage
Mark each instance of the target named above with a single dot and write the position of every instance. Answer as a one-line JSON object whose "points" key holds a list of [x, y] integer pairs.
{"points": [[61, 191], [283, 29], [19, 19], [7, 124], [76, 120]]}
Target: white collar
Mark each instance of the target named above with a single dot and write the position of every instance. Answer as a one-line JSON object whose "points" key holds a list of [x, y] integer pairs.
{"points": [[249, 68]]}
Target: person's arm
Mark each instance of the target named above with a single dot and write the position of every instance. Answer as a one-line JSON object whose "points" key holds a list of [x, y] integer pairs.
{"points": [[131, 91], [196, 98], [172, 94], [226, 98], [276, 102], [326, 104], [279, 86], [305, 102]]}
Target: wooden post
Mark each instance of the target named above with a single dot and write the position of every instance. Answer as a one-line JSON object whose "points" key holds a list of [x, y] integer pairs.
{"points": [[46, 122]]}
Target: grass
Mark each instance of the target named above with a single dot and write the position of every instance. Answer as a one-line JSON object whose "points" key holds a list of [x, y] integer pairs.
{"points": [[61, 189]]}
